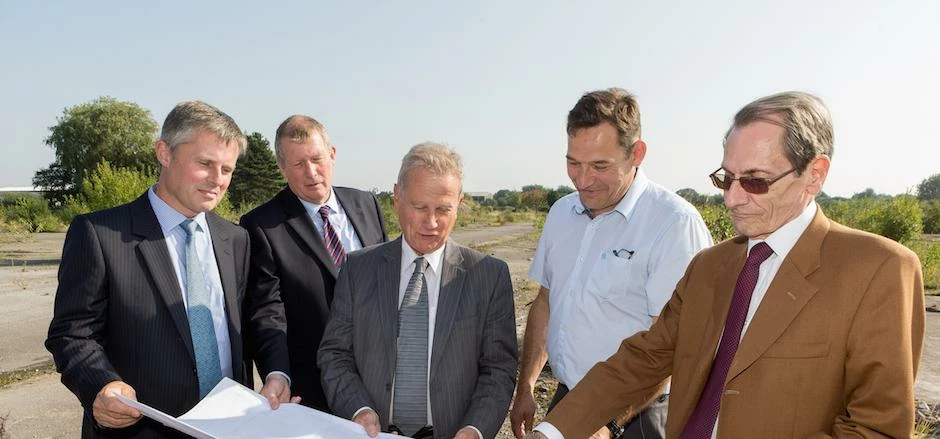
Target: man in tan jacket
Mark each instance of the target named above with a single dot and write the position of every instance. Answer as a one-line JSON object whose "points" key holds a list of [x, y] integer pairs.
{"points": [[799, 327]]}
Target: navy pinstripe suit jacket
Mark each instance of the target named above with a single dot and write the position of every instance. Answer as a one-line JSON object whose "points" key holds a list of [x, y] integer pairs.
{"points": [[119, 313]]}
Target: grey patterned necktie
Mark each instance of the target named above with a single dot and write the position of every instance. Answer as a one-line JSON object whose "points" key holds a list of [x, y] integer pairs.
{"points": [[409, 408], [205, 346]]}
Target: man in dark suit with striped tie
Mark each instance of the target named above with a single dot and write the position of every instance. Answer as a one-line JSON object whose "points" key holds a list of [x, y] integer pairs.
{"points": [[422, 333], [150, 298], [299, 238]]}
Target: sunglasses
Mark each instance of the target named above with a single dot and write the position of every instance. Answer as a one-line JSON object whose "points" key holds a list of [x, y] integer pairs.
{"points": [[752, 185]]}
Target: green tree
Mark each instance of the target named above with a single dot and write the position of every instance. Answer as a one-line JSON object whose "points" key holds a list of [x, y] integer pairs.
{"points": [[929, 188], [692, 196], [108, 186], [536, 198], [106, 129], [256, 177], [931, 219], [507, 198]]}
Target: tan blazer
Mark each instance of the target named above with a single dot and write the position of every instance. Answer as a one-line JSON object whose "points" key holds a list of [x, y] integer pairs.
{"points": [[832, 350]]}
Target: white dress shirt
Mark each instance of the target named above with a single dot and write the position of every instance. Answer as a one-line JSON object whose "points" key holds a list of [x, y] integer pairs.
{"points": [[338, 219]]}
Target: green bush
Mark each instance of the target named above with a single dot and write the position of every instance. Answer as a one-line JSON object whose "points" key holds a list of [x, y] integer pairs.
{"points": [[898, 218], [931, 216], [718, 220], [929, 254], [107, 186], [30, 213]]}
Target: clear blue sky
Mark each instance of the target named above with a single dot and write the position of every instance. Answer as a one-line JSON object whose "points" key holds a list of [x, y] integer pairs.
{"points": [[493, 79]]}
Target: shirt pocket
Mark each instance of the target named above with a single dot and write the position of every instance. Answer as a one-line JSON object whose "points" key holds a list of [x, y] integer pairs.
{"points": [[610, 277]]}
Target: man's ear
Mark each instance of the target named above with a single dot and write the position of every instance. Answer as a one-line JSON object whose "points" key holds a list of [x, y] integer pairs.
{"points": [[818, 171], [395, 194], [164, 155], [639, 152]]}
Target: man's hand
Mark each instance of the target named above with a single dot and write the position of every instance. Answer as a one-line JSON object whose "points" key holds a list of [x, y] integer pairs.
{"points": [[369, 420], [522, 414], [112, 413], [276, 390], [466, 433]]}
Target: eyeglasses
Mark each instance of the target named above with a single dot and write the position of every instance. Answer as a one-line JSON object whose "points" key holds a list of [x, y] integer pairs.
{"points": [[752, 185]]}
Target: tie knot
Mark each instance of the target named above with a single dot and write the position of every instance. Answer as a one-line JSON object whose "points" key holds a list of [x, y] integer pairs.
{"points": [[325, 211], [189, 226], [421, 264], [759, 253]]}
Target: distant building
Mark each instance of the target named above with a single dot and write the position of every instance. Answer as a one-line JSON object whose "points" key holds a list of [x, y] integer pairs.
{"points": [[20, 189], [479, 197]]}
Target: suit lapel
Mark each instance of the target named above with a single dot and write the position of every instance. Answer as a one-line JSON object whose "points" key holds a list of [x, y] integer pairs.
{"points": [[223, 247], [787, 295], [354, 212], [156, 257], [720, 298], [389, 279], [448, 299], [300, 222]]}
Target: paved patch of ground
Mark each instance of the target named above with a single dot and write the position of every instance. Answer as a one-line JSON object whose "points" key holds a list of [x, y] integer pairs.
{"points": [[41, 407]]}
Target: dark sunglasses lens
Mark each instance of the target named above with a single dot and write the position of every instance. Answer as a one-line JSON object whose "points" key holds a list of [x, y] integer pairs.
{"points": [[754, 185], [721, 181]]}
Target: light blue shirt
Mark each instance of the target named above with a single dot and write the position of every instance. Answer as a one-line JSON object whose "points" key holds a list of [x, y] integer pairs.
{"points": [[170, 219], [338, 219], [608, 276]]}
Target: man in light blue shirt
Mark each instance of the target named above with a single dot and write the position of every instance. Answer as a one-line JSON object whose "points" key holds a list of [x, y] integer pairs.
{"points": [[610, 254]]}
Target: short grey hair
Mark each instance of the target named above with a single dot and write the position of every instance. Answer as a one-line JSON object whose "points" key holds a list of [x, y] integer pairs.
{"points": [[435, 157], [805, 118], [188, 116], [297, 128]]}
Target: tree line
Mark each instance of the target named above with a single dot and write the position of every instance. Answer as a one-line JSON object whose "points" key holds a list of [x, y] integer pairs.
{"points": [[104, 157]]}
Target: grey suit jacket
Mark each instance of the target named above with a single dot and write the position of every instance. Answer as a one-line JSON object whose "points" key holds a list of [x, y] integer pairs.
{"points": [[119, 313], [474, 354]]}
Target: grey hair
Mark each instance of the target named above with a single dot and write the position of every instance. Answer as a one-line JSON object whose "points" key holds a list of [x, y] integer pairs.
{"points": [[435, 157], [189, 116], [297, 128], [805, 118]]}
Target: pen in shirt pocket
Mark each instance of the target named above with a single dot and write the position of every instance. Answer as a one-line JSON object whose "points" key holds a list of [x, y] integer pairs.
{"points": [[623, 253]]}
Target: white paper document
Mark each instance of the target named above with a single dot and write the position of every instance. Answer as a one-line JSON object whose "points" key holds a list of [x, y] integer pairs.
{"points": [[233, 411]]}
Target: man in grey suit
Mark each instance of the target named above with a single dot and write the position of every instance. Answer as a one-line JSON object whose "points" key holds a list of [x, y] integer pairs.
{"points": [[422, 332], [290, 235], [150, 298]]}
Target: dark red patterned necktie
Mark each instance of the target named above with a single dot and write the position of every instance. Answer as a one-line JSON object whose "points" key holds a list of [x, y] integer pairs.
{"points": [[333, 245], [702, 422]]}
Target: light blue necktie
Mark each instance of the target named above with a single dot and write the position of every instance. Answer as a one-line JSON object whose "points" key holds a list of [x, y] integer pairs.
{"points": [[201, 328]]}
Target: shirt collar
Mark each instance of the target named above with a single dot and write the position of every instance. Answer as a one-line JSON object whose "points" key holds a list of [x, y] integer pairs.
{"points": [[628, 202], [314, 208], [408, 256], [168, 217], [782, 240]]}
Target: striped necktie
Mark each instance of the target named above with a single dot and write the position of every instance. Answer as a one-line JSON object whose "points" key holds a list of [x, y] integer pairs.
{"points": [[333, 245]]}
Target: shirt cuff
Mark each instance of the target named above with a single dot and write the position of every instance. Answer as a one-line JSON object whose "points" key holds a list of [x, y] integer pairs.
{"points": [[357, 412], [479, 435], [277, 372], [549, 430]]}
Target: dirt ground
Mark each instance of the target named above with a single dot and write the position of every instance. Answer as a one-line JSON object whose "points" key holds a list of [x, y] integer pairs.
{"points": [[41, 407]]}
